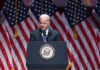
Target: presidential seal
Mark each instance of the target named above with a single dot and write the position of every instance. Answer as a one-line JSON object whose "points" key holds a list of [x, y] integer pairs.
{"points": [[47, 51]]}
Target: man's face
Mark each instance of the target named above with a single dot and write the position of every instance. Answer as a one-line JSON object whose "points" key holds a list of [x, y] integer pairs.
{"points": [[44, 23]]}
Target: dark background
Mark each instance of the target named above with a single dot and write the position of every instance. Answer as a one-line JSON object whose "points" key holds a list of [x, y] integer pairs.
{"points": [[1, 4], [89, 9]]}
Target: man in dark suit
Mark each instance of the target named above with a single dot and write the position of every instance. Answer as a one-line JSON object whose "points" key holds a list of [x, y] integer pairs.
{"points": [[44, 33]]}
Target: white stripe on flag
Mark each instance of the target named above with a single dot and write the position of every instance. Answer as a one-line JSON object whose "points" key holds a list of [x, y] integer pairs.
{"points": [[3, 60]]}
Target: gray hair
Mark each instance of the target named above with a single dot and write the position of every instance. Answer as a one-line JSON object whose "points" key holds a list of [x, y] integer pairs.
{"points": [[45, 16]]}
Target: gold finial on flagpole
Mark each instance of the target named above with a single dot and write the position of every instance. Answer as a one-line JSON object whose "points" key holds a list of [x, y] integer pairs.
{"points": [[69, 66], [11, 69], [41, 7]]}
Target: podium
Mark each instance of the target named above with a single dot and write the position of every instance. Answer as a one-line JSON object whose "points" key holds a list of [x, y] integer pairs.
{"points": [[58, 55]]}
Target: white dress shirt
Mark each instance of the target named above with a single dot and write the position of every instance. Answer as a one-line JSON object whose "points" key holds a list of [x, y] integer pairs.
{"points": [[47, 31]]}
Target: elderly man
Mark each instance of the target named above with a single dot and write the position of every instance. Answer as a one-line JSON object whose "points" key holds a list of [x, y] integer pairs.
{"points": [[44, 33]]}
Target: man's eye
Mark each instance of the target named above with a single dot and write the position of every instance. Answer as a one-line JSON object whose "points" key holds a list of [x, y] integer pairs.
{"points": [[42, 23]]}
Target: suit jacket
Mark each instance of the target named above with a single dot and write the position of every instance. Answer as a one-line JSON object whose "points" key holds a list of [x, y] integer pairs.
{"points": [[37, 36]]}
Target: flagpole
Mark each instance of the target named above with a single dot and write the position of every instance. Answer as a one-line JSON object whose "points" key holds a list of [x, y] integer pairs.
{"points": [[16, 32], [75, 33], [41, 7], [42, 3]]}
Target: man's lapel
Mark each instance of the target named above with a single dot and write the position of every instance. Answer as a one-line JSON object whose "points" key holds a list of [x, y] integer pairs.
{"points": [[49, 35], [40, 35]]}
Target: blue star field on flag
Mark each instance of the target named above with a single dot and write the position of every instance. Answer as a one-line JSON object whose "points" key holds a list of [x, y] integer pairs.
{"points": [[97, 8], [81, 12], [47, 7], [9, 11]]}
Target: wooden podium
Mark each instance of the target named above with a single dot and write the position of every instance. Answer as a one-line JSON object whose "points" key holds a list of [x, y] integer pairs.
{"points": [[47, 55]]}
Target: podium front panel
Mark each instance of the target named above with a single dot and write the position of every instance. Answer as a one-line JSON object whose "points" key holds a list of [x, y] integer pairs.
{"points": [[34, 60]]}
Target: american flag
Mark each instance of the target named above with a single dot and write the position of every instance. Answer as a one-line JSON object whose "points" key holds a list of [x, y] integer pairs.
{"points": [[13, 50], [83, 52]]}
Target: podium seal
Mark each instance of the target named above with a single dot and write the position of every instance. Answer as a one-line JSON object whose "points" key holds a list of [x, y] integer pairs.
{"points": [[47, 51]]}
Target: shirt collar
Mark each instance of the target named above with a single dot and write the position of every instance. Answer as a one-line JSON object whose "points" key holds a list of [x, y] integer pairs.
{"points": [[47, 31]]}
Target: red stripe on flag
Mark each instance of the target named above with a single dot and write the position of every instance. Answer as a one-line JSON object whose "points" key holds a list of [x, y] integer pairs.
{"points": [[83, 46], [28, 26], [92, 32], [5, 55], [23, 32], [14, 47], [1, 65], [21, 46], [90, 44], [36, 26], [5, 46], [61, 24]]}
